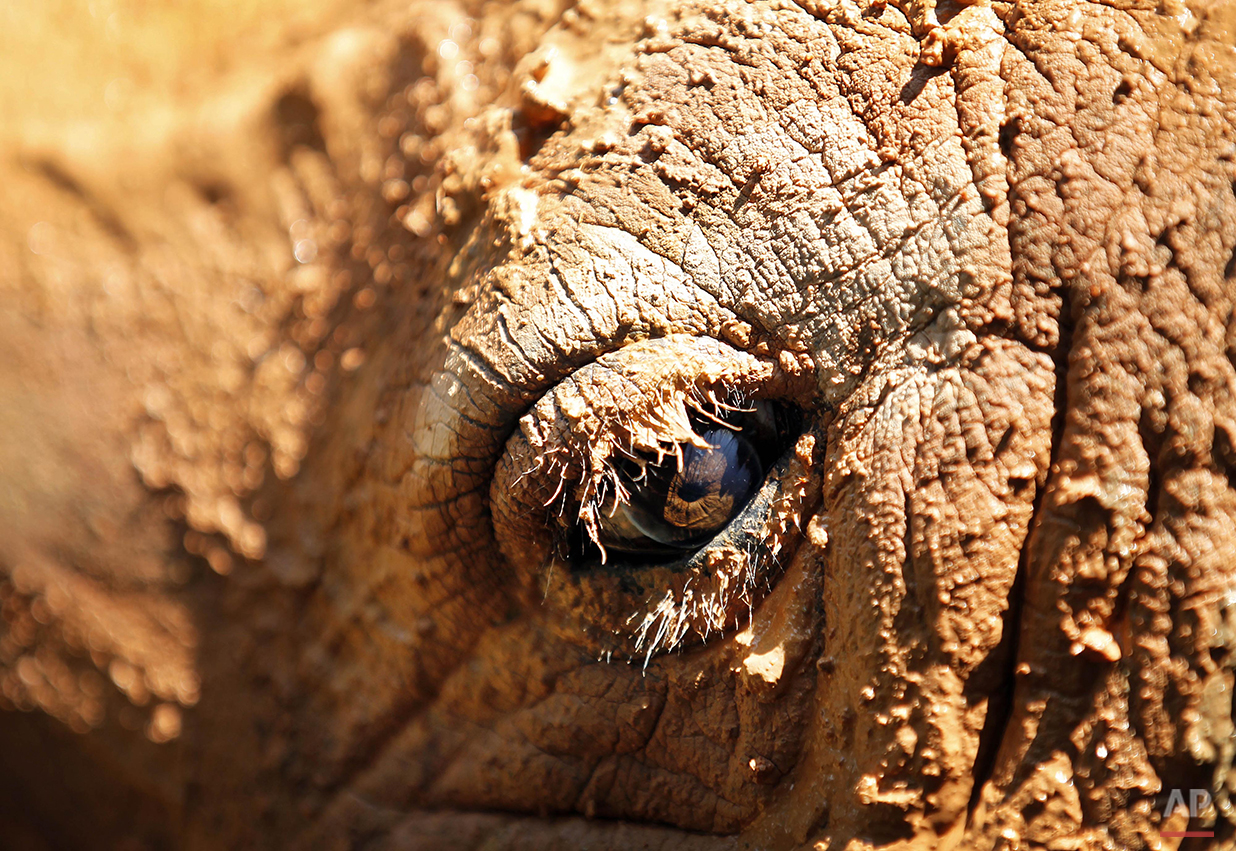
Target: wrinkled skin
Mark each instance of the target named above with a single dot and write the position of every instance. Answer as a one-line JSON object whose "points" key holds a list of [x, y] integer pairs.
{"points": [[310, 355]]}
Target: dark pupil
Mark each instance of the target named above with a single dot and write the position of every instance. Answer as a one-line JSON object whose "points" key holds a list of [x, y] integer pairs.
{"points": [[673, 507]]}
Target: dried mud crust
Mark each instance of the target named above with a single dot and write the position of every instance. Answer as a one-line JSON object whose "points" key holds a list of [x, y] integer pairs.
{"points": [[805, 186], [992, 243]]}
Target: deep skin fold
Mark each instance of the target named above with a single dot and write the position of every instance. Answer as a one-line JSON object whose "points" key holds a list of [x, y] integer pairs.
{"points": [[1003, 274]]}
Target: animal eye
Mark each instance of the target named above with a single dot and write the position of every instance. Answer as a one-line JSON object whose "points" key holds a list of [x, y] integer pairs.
{"points": [[676, 503], [647, 497]]}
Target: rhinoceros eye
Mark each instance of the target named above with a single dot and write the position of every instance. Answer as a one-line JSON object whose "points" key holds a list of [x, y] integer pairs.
{"points": [[648, 496], [680, 503], [677, 503]]}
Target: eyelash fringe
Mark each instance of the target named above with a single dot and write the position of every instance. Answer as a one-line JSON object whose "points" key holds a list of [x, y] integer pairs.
{"points": [[599, 480], [665, 627]]}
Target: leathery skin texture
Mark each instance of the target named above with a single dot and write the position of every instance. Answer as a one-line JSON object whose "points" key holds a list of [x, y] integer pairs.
{"points": [[324, 373]]}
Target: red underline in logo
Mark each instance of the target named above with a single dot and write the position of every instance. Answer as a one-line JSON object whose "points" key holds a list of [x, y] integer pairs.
{"points": [[1207, 834]]}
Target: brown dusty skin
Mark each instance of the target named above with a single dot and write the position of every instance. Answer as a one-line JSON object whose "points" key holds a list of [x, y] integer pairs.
{"points": [[321, 325]]}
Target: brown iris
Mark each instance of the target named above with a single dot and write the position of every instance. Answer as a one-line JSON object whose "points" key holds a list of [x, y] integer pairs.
{"points": [[684, 498]]}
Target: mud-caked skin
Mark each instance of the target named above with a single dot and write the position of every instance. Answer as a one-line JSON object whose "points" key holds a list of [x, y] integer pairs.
{"points": [[361, 388]]}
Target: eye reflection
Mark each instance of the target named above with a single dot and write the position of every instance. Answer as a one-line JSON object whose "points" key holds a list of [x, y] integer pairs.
{"points": [[669, 506], [683, 500]]}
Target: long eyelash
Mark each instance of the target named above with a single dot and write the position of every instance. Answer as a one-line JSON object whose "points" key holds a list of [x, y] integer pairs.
{"points": [[587, 475], [664, 627], [548, 569], [600, 479]]}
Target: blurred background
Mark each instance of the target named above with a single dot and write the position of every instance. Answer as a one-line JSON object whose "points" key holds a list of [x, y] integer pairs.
{"points": [[189, 197], [66, 61]]}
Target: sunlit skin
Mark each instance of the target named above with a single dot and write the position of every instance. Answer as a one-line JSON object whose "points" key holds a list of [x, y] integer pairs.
{"points": [[617, 425]]}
